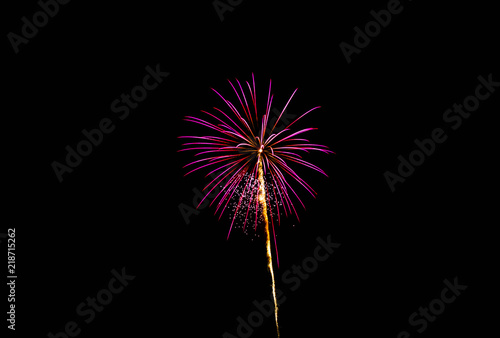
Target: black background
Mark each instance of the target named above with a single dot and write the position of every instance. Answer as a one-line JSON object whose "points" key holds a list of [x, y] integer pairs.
{"points": [[120, 207]]}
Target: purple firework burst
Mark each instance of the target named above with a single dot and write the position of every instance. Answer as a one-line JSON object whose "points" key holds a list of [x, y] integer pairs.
{"points": [[242, 140]]}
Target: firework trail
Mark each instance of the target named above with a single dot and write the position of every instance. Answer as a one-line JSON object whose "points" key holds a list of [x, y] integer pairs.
{"points": [[262, 200], [250, 164]]}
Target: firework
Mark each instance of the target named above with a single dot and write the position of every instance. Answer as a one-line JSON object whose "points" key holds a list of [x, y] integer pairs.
{"points": [[250, 162]]}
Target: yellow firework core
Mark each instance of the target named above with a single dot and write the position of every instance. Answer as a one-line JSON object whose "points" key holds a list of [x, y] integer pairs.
{"points": [[262, 201]]}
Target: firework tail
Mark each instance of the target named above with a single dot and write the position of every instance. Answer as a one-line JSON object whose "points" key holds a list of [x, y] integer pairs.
{"points": [[263, 203]]}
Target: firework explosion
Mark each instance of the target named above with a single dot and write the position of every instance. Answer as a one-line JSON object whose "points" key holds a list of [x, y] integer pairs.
{"points": [[250, 162]]}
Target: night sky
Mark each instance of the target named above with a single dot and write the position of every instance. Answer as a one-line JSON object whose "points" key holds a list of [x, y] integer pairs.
{"points": [[407, 207]]}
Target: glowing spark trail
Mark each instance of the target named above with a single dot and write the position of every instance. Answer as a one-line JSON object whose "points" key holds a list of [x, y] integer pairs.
{"points": [[251, 162], [262, 200]]}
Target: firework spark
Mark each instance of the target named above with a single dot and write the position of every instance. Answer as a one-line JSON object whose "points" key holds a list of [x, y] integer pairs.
{"points": [[251, 163]]}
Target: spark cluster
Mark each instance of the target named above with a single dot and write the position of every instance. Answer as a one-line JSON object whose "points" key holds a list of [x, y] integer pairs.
{"points": [[240, 139]]}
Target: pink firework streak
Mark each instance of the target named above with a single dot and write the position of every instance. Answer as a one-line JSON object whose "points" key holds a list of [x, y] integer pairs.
{"points": [[251, 162]]}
